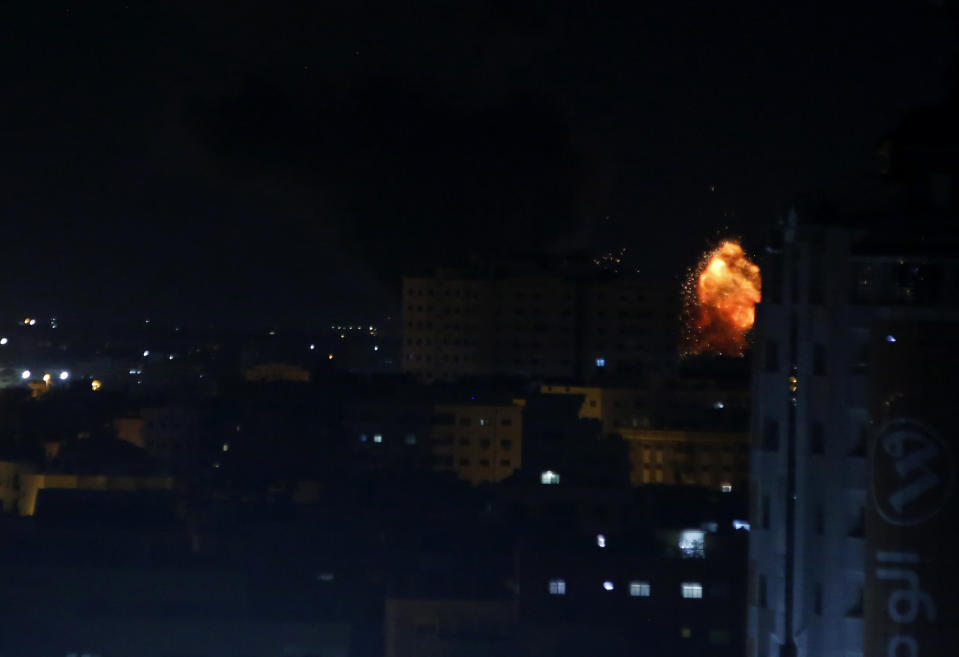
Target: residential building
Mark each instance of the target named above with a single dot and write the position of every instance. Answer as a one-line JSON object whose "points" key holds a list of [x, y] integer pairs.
{"points": [[481, 442], [535, 325], [692, 458], [829, 293]]}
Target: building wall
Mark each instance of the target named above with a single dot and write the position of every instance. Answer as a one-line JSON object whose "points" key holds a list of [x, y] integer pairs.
{"points": [[438, 627], [540, 326], [32, 483], [823, 293], [713, 460], [11, 482], [130, 429], [273, 372], [481, 443]]}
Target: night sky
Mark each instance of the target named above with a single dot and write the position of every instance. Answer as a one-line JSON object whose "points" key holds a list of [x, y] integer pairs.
{"points": [[236, 162]]}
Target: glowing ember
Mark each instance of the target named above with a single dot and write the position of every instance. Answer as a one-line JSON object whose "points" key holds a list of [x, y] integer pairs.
{"points": [[721, 295]]}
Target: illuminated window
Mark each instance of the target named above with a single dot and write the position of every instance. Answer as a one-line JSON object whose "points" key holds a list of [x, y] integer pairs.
{"points": [[600, 362], [549, 477], [608, 586], [640, 589], [377, 437], [692, 543], [600, 540], [726, 488], [557, 587], [692, 590]]}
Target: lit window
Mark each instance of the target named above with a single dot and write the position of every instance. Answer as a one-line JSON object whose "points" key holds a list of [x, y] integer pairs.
{"points": [[557, 587], [639, 589], [726, 488], [890, 338], [608, 586], [692, 590], [741, 524], [600, 362], [692, 543], [377, 437], [549, 477]]}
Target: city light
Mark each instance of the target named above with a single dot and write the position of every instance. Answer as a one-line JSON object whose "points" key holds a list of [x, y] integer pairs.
{"points": [[32, 322], [25, 374], [600, 540], [329, 356], [548, 477], [226, 447], [3, 341], [46, 378], [890, 338], [608, 585], [95, 384], [64, 375], [146, 352], [312, 347]]}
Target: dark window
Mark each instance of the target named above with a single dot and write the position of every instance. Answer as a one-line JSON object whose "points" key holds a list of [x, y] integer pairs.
{"points": [[858, 529], [506, 421], [484, 462], [819, 359], [464, 462], [820, 520], [817, 274], [855, 610], [770, 435], [505, 462], [485, 443], [859, 443], [464, 421], [506, 444], [817, 439], [771, 362], [766, 512], [762, 593], [817, 599]]}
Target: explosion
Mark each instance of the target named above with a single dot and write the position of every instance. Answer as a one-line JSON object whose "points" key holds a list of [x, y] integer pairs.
{"points": [[721, 295]]}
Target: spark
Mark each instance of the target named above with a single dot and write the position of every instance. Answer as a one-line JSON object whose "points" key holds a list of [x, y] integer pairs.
{"points": [[721, 294]]}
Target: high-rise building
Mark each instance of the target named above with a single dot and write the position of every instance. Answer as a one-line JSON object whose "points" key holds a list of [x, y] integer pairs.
{"points": [[537, 325], [829, 292]]}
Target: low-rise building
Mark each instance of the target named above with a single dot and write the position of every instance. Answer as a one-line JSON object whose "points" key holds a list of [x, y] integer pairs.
{"points": [[481, 443], [695, 458]]}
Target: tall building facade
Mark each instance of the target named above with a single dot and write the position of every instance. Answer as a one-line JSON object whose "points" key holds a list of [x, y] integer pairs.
{"points": [[535, 325], [829, 293]]}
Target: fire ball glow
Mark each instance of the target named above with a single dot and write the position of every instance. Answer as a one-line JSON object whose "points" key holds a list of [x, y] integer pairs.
{"points": [[721, 294]]}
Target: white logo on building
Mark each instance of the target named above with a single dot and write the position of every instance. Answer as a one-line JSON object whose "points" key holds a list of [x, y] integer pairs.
{"points": [[912, 473]]}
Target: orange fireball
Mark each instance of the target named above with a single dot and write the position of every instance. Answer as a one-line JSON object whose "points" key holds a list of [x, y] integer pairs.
{"points": [[721, 297]]}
